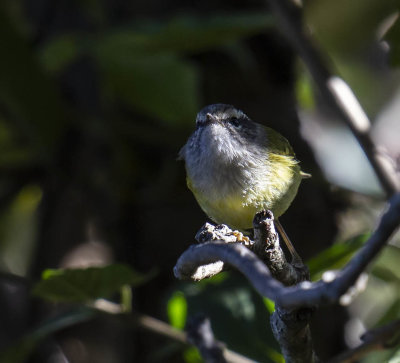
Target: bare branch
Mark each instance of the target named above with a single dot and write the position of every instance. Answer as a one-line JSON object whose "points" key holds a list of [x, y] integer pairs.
{"points": [[209, 233], [267, 247], [290, 327], [200, 334], [161, 328], [377, 339], [336, 93], [292, 331], [306, 293]]}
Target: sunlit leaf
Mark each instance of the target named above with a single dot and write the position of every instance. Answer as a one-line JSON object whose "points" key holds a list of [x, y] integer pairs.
{"points": [[269, 304], [177, 310], [192, 355], [82, 285], [275, 356]]}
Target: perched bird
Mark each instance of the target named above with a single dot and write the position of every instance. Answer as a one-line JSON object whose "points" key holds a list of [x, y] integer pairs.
{"points": [[236, 167]]}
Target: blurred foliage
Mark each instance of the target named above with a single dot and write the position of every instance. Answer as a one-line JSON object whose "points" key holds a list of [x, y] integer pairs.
{"points": [[304, 92], [238, 314], [19, 352], [177, 310], [392, 36], [85, 285], [191, 355], [353, 45], [95, 100], [335, 257], [141, 64], [19, 230]]}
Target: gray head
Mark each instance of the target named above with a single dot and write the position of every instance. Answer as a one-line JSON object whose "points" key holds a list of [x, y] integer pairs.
{"points": [[226, 146], [224, 130], [227, 117]]}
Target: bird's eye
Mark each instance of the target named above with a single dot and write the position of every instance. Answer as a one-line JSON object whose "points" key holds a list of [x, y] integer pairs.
{"points": [[234, 121]]}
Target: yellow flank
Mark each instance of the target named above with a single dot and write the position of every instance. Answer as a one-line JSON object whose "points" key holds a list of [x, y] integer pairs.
{"points": [[275, 192]]}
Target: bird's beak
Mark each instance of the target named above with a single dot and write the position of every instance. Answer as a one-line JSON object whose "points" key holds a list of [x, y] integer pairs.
{"points": [[211, 119]]}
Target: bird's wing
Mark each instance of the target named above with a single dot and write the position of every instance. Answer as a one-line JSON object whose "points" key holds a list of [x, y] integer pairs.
{"points": [[278, 144]]}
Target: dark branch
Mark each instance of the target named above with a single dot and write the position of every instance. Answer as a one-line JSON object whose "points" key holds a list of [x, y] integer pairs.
{"points": [[159, 327], [292, 331], [306, 293], [266, 246], [290, 327], [200, 334]]}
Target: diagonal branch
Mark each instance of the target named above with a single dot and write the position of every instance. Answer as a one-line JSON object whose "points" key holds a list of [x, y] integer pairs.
{"points": [[336, 93], [306, 293]]}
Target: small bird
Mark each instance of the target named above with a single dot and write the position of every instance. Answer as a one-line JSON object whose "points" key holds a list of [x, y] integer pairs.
{"points": [[236, 167]]}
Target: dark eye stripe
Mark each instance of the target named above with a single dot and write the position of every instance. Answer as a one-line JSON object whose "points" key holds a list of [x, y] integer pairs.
{"points": [[234, 121]]}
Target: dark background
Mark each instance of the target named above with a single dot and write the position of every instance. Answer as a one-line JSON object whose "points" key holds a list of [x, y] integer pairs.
{"points": [[96, 99]]}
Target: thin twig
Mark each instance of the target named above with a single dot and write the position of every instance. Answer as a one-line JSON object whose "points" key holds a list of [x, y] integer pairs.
{"points": [[377, 339], [336, 93], [200, 334], [159, 327]]}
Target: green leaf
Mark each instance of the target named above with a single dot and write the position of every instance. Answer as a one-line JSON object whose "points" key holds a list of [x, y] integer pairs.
{"points": [[336, 256], [192, 355], [238, 315], [275, 356], [18, 227], [304, 92], [269, 304], [60, 52], [177, 310], [83, 285]]}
